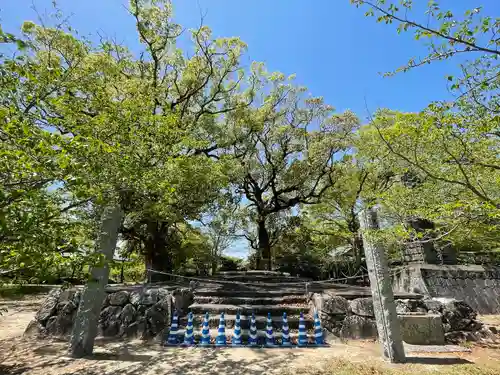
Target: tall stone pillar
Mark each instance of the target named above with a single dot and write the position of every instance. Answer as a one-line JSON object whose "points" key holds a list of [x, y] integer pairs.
{"points": [[85, 326], [380, 283]]}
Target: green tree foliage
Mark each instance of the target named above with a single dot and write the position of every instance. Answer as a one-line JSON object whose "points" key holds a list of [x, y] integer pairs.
{"points": [[292, 156], [128, 270], [444, 160], [229, 263], [334, 221], [165, 133], [297, 253], [471, 38], [219, 227], [445, 172], [103, 125]]}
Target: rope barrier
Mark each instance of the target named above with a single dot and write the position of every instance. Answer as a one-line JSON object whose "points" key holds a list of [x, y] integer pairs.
{"points": [[218, 281], [306, 284], [228, 282], [400, 270]]}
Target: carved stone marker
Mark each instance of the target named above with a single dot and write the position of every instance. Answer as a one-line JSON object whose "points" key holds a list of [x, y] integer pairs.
{"points": [[381, 286], [85, 326]]}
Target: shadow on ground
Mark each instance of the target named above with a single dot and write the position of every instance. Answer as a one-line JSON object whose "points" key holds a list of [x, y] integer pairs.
{"points": [[209, 362], [438, 361], [132, 359], [138, 358]]}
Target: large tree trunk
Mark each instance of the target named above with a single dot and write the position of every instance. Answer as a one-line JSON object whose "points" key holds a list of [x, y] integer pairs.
{"points": [[122, 272], [157, 255], [215, 257], [89, 309], [357, 245], [215, 263], [264, 260]]}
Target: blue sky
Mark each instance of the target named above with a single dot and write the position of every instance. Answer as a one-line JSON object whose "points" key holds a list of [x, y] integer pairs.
{"points": [[329, 44]]}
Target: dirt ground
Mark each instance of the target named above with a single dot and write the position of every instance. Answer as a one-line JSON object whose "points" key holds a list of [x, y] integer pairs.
{"points": [[492, 320], [19, 355], [19, 313]]}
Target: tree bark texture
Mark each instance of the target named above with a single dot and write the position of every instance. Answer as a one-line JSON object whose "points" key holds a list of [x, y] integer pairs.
{"points": [[265, 261], [157, 254]]}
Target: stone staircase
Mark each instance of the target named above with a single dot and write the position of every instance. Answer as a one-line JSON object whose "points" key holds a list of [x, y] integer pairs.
{"points": [[145, 310], [260, 292]]}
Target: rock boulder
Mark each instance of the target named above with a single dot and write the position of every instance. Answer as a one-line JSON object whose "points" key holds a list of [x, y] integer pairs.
{"points": [[34, 328], [402, 306], [127, 315], [120, 298], [433, 305], [182, 299], [148, 297], [362, 307], [49, 306], [422, 329], [109, 321], [458, 314], [331, 310], [359, 327], [156, 319]]}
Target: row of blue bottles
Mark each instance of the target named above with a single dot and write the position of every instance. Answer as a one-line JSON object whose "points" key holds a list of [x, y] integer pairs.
{"points": [[236, 340]]}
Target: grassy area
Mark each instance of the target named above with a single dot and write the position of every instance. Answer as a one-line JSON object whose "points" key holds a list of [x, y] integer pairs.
{"points": [[420, 366], [16, 291]]}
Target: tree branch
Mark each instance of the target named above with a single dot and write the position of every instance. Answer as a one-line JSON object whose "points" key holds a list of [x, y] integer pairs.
{"points": [[430, 30]]}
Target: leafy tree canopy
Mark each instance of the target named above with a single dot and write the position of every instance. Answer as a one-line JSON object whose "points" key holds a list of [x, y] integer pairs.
{"points": [[101, 124]]}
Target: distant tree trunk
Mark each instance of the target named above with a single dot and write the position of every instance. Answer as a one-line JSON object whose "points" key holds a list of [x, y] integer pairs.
{"points": [[85, 326], [356, 241], [215, 256], [265, 261], [122, 273], [215, 263], [157, 255], [357, 246]]}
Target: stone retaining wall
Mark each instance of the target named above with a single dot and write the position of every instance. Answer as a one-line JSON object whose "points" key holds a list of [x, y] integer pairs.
{"points": [[477, 285], [139, 312], [430, 321], [146, 312]]}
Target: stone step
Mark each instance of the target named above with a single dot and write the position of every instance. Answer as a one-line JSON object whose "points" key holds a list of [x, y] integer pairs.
{"points": [[213, 321], [248, 292], [250, 284], [274, 289], [252, 272], [257, 292], [231, 300], [264, 278], [275, 310], [268, 281]]}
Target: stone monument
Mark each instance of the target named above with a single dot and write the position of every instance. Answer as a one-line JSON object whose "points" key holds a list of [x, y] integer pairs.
{"points": [[431, 268]]}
